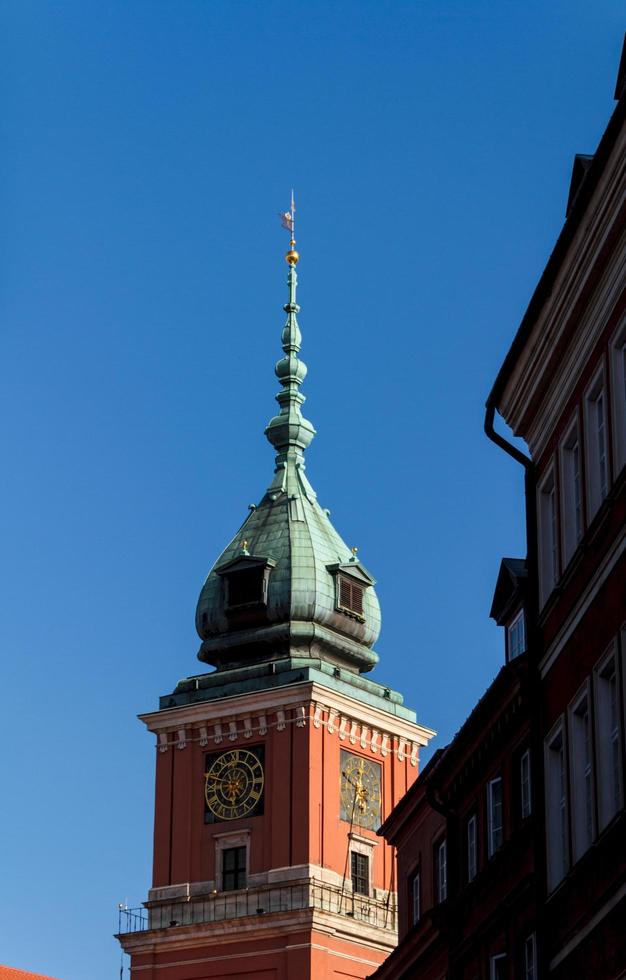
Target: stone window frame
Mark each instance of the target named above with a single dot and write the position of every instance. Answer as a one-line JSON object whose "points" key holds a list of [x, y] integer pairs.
{"points": [[223, 842]]}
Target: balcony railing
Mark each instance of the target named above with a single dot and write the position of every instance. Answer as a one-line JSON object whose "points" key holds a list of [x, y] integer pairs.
{"points": [[266, 900]]}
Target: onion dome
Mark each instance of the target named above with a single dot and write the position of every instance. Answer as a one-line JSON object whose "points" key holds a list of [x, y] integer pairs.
{"points": [[287, 585]]}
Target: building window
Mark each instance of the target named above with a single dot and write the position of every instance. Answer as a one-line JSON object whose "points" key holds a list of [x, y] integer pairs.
{"points": [[556, 807], [525, 789], [571, 492], [494, 815], [609, 742], [350, 597], [498, 967], [530, 958], [360, 870], [234, 873], [548, 538], [597, 445], [472, 848], [582, 776], [618, 372], [415, 898], [516, 636], [441, 865]]}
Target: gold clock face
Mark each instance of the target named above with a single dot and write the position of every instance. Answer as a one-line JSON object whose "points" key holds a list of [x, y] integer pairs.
{"points": [[233, 784], [360, 791]]}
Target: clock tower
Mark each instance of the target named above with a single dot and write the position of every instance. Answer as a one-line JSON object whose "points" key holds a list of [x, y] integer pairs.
{"points": [[275, 768]]}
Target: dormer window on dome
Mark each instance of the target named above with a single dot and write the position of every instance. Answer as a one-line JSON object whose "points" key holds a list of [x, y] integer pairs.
{"points": [[245, 580], [351, 581]]}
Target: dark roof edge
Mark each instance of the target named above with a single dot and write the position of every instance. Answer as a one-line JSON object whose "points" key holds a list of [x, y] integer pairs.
{"points": [[563, 242]]}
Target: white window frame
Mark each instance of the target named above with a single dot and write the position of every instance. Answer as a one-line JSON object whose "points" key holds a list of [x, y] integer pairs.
{"points": [[617, 349], [442, 870], [365, 846], [572, 495], [416, 897], [530, 957], [516, 627], [557, 809], [493, 965], [471, 839], [597, 446], [609, 737], [495, 830], [582, 775], [224, 842], [547, 512], [525, 785]]}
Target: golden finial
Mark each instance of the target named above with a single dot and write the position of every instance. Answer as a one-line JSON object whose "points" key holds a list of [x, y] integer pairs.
{"points": [[354, 553], [244, 546]]}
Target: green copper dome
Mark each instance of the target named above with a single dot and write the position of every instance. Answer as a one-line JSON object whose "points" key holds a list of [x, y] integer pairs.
{"points": [[287, 585]]}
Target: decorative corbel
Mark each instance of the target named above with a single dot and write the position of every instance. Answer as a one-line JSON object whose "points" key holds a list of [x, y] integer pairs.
{"points": [[281, 724], [217, 733], [374, 741], [363, 739], [262, 725], [247, 727], [163, 746], [402, 745], [204, 736], [232, 730], [353, 733], [300, 716], [182, 739], [384, 745], [317, 717], [332, 717], [414, 753]]}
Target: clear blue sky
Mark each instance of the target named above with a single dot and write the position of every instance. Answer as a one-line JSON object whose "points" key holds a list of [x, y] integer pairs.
{"points": [[147, 148]]}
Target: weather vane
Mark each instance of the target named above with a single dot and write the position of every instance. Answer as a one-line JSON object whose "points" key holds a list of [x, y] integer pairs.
{"points": [[288, 221]]}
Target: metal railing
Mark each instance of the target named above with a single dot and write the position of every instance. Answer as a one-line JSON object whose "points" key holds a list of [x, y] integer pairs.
{"points": [[265, 900]]}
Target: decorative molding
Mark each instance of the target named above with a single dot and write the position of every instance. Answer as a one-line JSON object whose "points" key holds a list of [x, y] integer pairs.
{"points": [[370, 727]]}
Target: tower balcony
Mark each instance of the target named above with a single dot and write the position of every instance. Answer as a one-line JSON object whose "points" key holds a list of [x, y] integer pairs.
{"points": [[255, 903]]}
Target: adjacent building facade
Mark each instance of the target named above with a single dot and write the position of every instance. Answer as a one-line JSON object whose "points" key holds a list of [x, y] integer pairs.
{"points": [[512, 842], [274, 770]]}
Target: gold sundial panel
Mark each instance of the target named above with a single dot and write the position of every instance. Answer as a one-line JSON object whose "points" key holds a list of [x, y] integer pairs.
{"points": [[233, 784], [360, 791]]}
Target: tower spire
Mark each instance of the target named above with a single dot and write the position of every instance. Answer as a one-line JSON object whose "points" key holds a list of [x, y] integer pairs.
{"points": [[289, 431]]}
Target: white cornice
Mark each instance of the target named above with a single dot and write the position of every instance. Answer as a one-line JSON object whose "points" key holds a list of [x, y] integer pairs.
{"points": [[274, 925], [596, 582], [578, 265], [304, 703]]}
